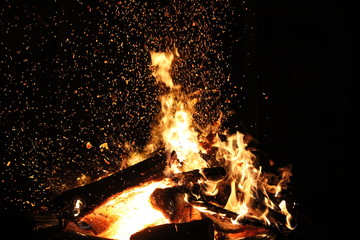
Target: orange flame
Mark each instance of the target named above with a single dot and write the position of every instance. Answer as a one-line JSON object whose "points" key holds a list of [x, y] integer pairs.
{"points": [[131, 211], [242, 174]]}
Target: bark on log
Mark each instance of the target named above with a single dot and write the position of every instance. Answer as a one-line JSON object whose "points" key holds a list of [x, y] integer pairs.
{"points": [[195, 230], [214, 174], [79, 201]]}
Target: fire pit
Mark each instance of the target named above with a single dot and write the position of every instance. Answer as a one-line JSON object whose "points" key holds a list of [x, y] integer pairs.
{"points": [[198, 184]]}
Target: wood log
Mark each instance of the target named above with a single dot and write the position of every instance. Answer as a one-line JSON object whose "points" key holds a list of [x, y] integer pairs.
{"points": [[213, 174], [170, 201], [256, 206], [195, 230], [79, 201], [211, 209], [72, 235], [226, 221]]}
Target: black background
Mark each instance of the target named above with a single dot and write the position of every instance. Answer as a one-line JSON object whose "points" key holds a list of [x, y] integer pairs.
{"points": [[293, 67], [302, 53]]}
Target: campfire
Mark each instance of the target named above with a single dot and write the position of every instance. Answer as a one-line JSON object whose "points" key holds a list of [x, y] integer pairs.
{"points": [[190, 182]]}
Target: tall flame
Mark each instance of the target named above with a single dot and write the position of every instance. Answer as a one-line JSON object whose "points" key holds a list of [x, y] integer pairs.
{"points": [[176, 122]]}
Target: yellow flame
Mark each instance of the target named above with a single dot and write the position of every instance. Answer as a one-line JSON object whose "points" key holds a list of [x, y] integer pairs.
{"points": [[131, 211], [162, 62], [284, 211], [176, 122], [242, 174]]}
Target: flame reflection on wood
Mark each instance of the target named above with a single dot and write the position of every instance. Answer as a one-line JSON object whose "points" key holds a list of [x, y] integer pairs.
{"points": [[126, 213]]}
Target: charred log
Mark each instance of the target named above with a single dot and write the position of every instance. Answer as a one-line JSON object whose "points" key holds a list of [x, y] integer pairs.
{"points": [[200, 229], [167, 199], [213, 174], [69, 235], [274, 215], [211, 209], [170, 201], [79, 201], [227, 222]]}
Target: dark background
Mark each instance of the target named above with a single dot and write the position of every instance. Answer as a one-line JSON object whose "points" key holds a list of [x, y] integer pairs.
{"points": [[302, 61], [290, 68], [303, 64]]}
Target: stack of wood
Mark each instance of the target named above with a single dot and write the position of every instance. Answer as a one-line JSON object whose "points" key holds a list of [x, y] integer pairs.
{"points": [[192, 215]]}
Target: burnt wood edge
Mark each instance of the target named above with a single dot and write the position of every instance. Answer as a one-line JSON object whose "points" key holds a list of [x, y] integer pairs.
{"points": [[95, 193], [211, 173]]}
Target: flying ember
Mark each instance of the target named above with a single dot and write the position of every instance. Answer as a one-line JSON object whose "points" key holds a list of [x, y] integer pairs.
{"points": [[207, 174]]}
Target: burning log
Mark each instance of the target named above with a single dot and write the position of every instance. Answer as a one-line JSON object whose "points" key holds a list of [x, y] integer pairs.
{"points": [[66, 235], [200, 229], [274, 215], [183, 202], [170, 201], [79, 201], [215, 173], [179, 205], [227, 224], [210, 209]]}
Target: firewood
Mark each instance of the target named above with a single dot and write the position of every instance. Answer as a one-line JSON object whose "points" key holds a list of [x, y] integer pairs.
{"points": [[170, 201], [79, 201], [66, 235], [211, 209], [214, 174], [197, 230], [226, 221]]}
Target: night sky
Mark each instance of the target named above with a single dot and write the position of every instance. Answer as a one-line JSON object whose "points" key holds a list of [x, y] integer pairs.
{"points": [[76, 74]]}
